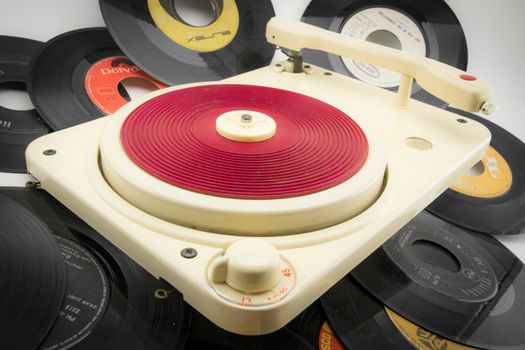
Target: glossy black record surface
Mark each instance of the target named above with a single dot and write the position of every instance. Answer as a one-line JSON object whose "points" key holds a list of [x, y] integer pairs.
{"points": [[503, 214], [110, 301], [205, 335], [309, 325], [32, 278], [133, 28], [461, 285], [58, 75], [442, 32], [359, 320], [17, 128]]}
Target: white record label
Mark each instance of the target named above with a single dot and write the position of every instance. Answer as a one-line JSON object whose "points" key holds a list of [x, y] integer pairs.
{"points": [[387, 27]]}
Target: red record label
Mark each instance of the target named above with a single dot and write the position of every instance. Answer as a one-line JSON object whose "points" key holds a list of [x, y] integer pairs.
{"points": [[103, 78], [173, 137]]}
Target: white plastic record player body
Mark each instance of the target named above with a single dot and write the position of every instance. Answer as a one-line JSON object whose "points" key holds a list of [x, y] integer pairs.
{"points": [[246, 279]]}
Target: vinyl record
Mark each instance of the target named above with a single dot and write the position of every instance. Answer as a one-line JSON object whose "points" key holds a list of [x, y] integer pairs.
{"points": [[312, 325], [491, 197], [362, 322], [426, 28], [33, 279], [17, 128], [154, 35], [76, 77], [110, 301], [464, 286], [205, 335]]}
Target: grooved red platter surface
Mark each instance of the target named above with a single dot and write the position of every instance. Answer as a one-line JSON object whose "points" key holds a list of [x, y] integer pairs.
{"points": [[173, 138]]}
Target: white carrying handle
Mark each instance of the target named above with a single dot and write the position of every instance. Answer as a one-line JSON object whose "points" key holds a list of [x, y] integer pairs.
{"points": [[450, 84]]}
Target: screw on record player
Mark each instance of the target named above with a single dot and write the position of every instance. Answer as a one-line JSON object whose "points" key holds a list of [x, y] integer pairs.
{"points": [[188, 253]]}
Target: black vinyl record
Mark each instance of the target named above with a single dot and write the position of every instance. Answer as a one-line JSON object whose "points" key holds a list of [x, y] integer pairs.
{"points": [[58, 76], [464, 286], [32, 278], [313, 326], [110, 302], [155, 37], [205, 335], [17, 128], [492, 200], [362, 322], [427, 28]]}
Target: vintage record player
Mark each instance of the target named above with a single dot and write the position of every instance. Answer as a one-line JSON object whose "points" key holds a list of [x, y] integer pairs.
{"points": [[254, 195]]}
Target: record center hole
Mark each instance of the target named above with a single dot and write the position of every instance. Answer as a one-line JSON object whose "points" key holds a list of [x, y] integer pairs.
{"points": [[133, 87], [197, 13], [477, 169], [14, 96], [436, 255], [385, 38]]}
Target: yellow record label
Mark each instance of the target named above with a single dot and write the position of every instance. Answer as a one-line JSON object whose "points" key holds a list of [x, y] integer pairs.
{"points": [[212, 37], [328, 340], [494, 181], [420, 338]]}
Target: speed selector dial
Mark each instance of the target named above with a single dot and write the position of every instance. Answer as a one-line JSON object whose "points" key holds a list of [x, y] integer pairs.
{"points": [[252, 273]]}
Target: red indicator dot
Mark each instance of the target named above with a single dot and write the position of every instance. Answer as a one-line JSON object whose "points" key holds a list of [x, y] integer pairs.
{"points": [[468, 77]]}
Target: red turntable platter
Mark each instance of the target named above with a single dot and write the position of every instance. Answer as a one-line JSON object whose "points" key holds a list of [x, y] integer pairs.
{"points": [[173, 137]]}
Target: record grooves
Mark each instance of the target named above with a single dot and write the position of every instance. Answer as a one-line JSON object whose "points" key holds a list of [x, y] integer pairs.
{"points": [[148, 31], [32, 274], [110, 301], [424, 28], [362, 322], [459, 284], [58, 73], [17, 128], [205, 335], [492, 201], [75, 77]]}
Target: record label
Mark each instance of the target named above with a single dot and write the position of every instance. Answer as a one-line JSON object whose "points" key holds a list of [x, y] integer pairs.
{"points": [[478, 318], [388, 27], [420, 338], [103, 78], [109, 302], [412, 250], [155, 36], [490, 198], [494, 180], [423, 28], [328, 340], [211, 37], [86, 297], [18, 128]]}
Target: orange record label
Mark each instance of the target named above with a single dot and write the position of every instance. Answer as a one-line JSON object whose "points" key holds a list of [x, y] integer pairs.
{"points": [[328, 340], [494, 180], [103, 78], [421, 338]]}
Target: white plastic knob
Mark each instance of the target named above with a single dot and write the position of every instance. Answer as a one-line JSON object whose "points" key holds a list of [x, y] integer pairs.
{"points": [[245, 126], [249, 265]]}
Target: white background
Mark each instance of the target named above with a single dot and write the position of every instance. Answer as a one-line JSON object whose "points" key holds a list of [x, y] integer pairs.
{"points": [[495, 32]]}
